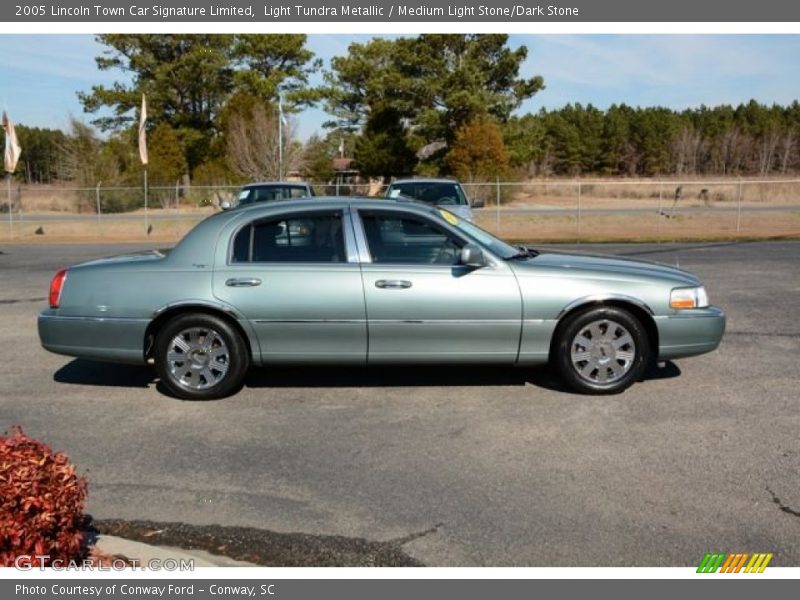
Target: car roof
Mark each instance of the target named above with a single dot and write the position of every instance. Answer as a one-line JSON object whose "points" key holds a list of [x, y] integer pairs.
{"points": [[276, 183], [424, 180], [323, 202]]}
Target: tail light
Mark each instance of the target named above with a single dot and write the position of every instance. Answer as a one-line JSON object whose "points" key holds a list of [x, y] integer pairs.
{"points": [[56, 285]]}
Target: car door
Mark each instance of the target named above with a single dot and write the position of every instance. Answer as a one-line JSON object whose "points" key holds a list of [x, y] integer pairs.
{"points": [[297, 280], [422, 306]]}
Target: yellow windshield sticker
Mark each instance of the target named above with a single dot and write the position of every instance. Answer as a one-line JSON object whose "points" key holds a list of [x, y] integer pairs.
{"points": [[449, 217]]}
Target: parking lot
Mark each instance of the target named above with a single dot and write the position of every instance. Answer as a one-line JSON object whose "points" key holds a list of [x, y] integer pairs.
{"points": [[488, 466]]}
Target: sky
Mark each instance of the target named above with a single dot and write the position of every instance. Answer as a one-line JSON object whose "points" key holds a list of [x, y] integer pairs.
{"points": [[40, 75]]}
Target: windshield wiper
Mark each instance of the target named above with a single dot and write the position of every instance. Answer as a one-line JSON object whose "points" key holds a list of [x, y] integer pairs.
{"points": [[524, 252]]}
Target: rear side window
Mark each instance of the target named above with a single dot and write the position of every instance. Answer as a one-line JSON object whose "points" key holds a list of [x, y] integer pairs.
{"points": [[272, 193], [316, 238]]}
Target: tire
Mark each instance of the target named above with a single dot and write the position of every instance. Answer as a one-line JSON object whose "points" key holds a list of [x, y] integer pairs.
{"points": [[601, 350], [216, 360]]}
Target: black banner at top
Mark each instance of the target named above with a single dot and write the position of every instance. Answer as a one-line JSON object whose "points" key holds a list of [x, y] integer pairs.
{"points": [[495, 11]]}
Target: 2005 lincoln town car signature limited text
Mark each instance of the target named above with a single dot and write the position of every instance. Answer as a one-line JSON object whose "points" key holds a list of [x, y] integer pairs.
{"points": [[359, 281]]}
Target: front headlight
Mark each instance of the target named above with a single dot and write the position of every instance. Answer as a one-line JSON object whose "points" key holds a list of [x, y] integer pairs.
{"points": [[695, 297]]}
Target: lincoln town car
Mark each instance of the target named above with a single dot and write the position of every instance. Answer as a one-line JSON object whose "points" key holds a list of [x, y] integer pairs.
{"points": [[351, 281]]}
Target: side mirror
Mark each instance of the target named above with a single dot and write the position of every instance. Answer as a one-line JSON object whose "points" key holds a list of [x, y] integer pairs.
{"points": [[472, 256], [478, 203], [225, 205]]}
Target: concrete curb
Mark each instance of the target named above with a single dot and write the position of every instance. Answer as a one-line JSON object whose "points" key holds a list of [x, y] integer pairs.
{"points": [[145, 553]]}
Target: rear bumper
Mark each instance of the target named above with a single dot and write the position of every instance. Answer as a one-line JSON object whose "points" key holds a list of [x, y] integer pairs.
{"points": [[98, 338], [690, 333]]}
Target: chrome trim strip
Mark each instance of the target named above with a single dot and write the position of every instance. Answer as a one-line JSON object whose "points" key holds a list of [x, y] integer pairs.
{"points": [[203, 303], [92, 319], [398, 321], [601, 298], [449, 321], [680, 317], [310, 321]]}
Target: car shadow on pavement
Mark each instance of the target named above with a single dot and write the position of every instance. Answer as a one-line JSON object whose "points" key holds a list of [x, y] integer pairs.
{"points": [[89, 372], [421, 376], [392, 376]]}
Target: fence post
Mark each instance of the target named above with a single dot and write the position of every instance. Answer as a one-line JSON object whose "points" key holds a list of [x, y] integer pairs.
{"points": [[579, 212], [497, 206], [97, 203], [739, 207]]}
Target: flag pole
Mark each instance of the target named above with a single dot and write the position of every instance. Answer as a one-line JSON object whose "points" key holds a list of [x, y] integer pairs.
{"points": [[280, 137], [10, 157], [145, 199], [10, 216], [143, 155]]}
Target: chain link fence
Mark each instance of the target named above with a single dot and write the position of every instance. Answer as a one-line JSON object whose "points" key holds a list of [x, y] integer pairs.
{"points": [[580, 210]]}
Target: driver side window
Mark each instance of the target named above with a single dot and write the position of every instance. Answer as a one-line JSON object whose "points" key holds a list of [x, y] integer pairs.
{"points": [[405, 239]]}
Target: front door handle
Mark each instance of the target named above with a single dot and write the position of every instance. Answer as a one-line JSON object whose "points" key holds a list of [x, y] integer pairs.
{"points": [[392, 284], [243, 282]]}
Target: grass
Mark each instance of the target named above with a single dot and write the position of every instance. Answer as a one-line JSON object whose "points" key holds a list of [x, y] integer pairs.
{"points": [[645, 227], [43, 206]]}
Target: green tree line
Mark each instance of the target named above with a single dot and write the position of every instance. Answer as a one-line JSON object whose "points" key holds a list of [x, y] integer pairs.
{"points": [[433, 104], [748, 139]]}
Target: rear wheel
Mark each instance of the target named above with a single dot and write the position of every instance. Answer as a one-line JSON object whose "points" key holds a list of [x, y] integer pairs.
{"points": [[200, 357], [602, 350]]}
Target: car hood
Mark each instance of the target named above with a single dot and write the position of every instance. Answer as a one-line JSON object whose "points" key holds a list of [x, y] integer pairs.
{"points": [[606, 265], [465, 212]]}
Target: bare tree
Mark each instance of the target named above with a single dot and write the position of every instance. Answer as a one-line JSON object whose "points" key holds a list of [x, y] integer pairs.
{"points": [[686, 149], [732, 149], [788, 143], [766, 150], [253, 145], [81, 155], [85, 162]]}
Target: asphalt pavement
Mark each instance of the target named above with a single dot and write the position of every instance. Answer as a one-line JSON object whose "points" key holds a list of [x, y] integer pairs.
{"points": [[464, 466]]}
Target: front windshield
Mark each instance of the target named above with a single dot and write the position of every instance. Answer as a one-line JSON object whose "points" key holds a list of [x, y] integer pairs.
{"points": [[437, 193], [493, 244]]}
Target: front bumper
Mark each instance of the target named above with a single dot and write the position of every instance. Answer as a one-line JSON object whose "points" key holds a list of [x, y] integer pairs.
{"points": [[690, 332], [97, 338]]}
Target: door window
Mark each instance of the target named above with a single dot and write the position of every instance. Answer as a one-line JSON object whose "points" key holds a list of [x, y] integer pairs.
{"points": [[395, 238]]}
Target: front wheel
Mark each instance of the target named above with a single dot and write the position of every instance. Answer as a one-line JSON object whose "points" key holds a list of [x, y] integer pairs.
{"points": [[602, 350], [200, 357]]}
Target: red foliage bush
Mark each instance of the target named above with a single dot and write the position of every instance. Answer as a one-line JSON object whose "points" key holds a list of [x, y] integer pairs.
{"points": [[41, 502]]}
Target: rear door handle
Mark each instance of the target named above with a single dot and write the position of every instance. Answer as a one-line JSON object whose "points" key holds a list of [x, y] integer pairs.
{"points": [[243, 282], [392, 284]]}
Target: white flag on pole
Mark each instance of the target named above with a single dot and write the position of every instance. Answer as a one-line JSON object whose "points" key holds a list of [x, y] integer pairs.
{"points": [[281, 113], [12, 150], [142, 133]]}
